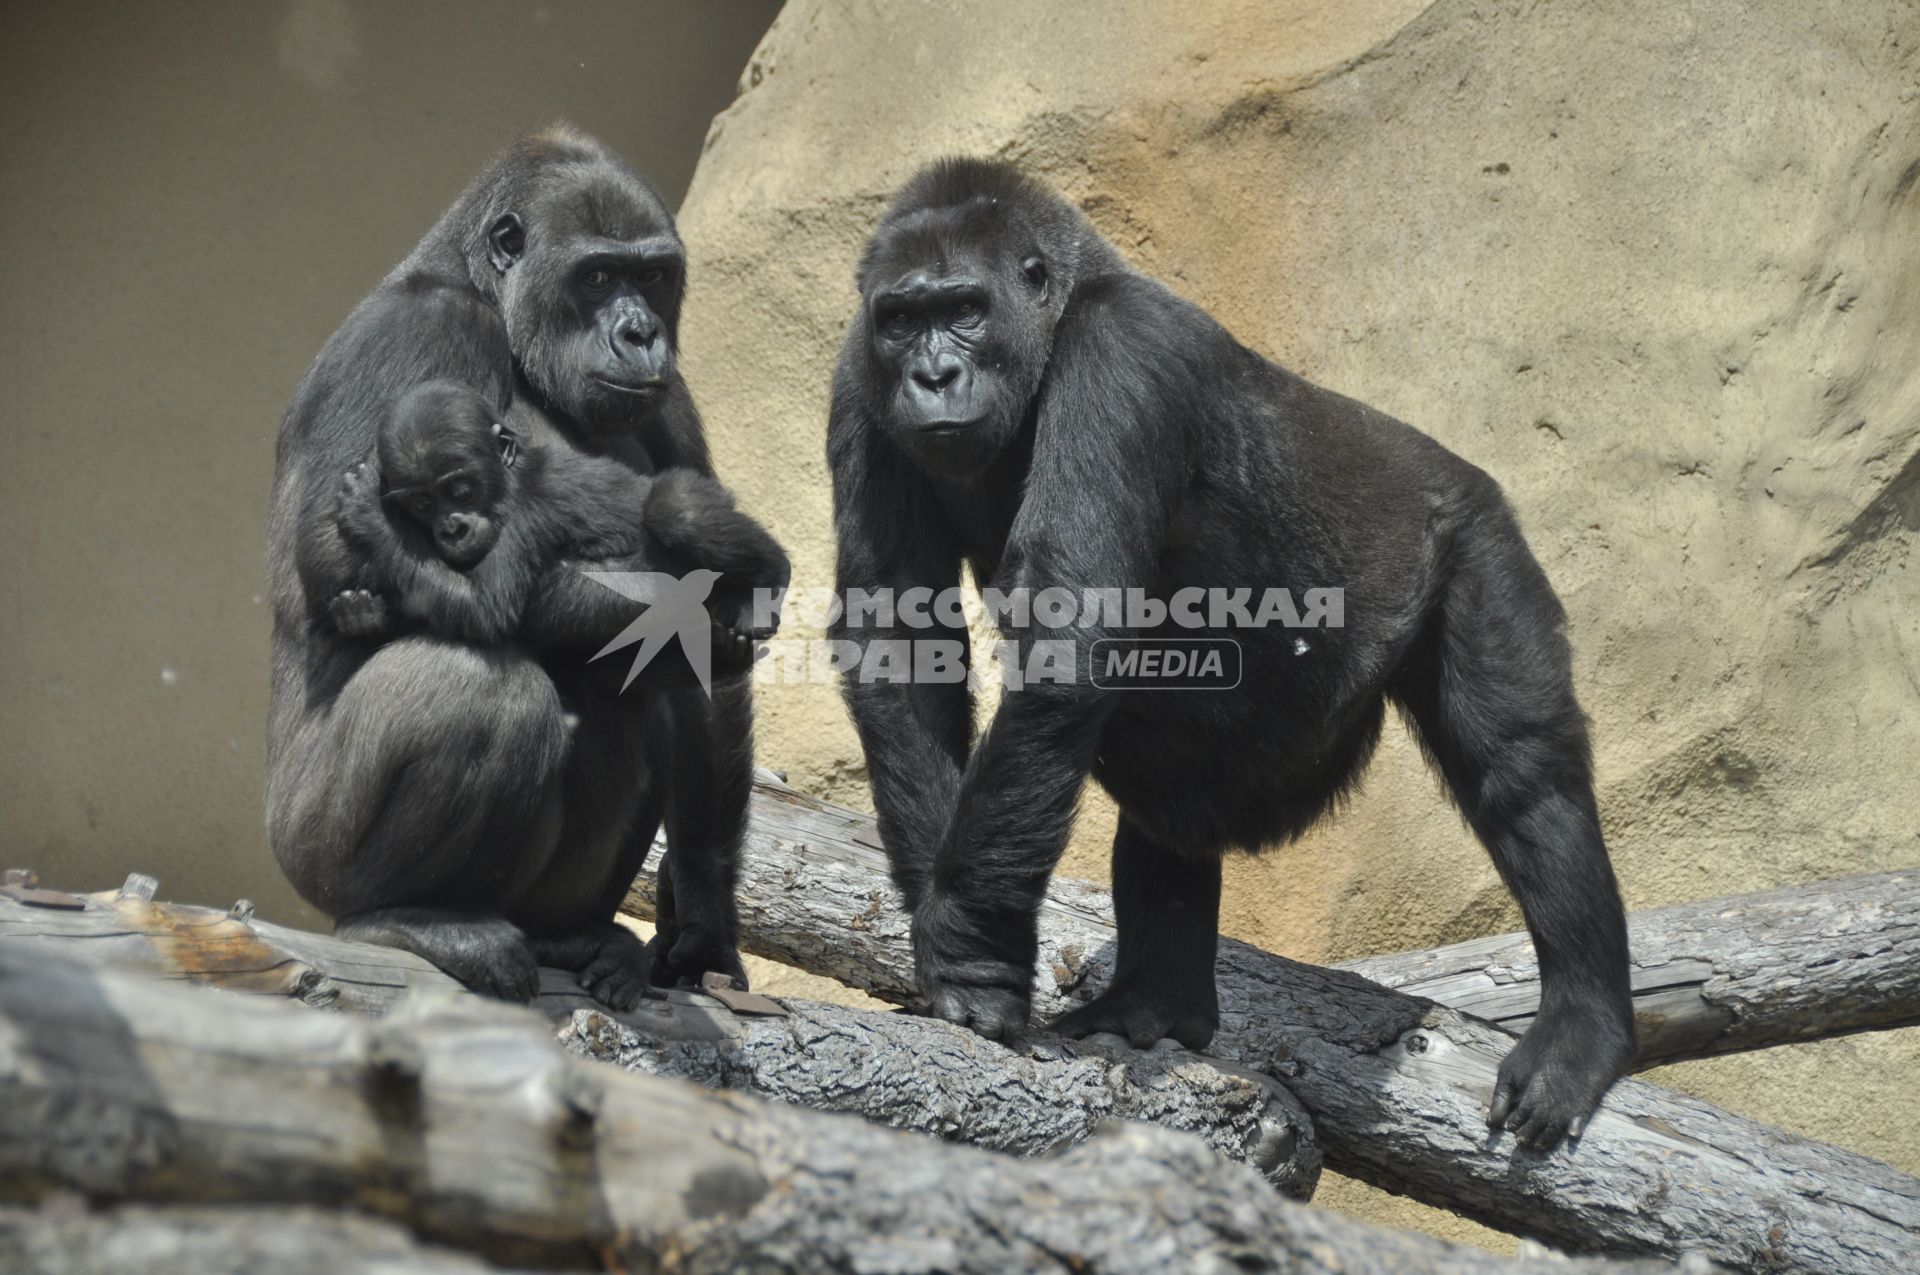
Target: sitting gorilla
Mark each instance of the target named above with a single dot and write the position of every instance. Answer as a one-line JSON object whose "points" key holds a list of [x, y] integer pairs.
{"points": [[1013, 397], [486, 803]]}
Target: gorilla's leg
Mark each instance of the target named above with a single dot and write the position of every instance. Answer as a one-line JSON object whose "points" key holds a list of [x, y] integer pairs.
{"points": [[698, 926], [488, 953], [422, 800], [1167, 907], [615, 790], [1489, 687]]}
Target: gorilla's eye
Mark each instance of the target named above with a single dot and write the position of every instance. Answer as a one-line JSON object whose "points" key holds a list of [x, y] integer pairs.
{"points": [[460, 492], [966, 312], [898, 324], [421, 503], [597, 280], [652, 275]]}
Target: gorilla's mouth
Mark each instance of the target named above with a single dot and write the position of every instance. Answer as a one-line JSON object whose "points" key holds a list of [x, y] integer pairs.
{"points": [[639, 389], [464, 555]]}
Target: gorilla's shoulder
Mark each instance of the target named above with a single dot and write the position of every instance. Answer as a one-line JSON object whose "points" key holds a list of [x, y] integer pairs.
{"points": [[1117, 311]]}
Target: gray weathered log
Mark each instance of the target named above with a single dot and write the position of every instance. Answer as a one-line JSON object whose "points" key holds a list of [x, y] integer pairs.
{"points": [[915, 1074], [1746, 972], [463, 1121], [912, 1073], [65, 1238], [1397, 1086]]}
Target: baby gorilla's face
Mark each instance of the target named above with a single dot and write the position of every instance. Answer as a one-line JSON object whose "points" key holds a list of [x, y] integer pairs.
{"points": [[443, 462]]}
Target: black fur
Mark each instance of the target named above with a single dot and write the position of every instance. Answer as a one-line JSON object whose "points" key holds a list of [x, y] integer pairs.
{"points": [[453, 519], [468, 785], [1013, 398]]}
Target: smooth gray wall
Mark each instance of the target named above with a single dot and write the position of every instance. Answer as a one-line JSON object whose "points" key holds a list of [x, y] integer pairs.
{"points": [[192, 195]]}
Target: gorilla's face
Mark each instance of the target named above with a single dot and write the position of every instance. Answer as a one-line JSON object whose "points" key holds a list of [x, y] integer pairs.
{"points": [[958, 319], [591, 277], [443, 463]]}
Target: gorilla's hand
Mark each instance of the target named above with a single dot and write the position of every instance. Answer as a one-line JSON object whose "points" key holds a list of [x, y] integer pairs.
{"points": [[1553, 1079], [737, 631], [707, 942], [678, 959], [357, 506], [961, 975], [360, 613]]}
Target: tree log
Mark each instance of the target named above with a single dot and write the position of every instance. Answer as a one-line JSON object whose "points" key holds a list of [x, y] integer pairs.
{"points": [[912, 1073], [1397, 1086], [65, 1238], [464, 1122], [1747, 972]]}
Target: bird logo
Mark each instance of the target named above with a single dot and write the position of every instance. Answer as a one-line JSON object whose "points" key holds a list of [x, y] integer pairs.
{"points": [[676, 607]]}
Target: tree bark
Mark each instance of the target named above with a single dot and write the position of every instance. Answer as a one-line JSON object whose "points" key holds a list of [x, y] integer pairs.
{"points": [[912, 1073], [1397, 1086], [463, 1122], [1747, 972], [66, 1238]]}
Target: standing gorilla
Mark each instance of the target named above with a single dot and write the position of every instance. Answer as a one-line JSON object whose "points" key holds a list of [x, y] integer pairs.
{"points": [[1013, 397], [487, 805]]}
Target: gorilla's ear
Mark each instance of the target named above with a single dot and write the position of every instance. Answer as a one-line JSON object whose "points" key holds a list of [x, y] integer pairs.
{"points": [[508, 442], [506, 241], [1035, 268]]}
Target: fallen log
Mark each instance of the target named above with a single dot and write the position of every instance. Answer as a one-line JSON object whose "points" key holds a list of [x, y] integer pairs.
{"points": [[67, 1238], [462, 1121], [1748, 972], [1397, 1086], [912, 1073]]}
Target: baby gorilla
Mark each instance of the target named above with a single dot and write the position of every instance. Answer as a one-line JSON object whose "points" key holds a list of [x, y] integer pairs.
{"points": [[453, 519]]}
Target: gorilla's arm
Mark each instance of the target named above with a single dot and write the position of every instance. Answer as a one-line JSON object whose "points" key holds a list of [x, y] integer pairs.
{"points": [[570, 613], [681, 519], [334, 572], [480, 605], [1107, 473], [915, 736], [587, 508], [693, 517], [698, 928], [599, 515]]}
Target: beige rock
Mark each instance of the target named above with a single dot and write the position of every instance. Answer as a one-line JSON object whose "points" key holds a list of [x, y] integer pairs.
{"points": [[1654, 266]]}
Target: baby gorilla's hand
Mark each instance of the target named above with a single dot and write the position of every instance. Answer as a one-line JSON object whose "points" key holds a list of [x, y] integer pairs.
{"points": [[360, 613], [357, 504], [357, 483]]}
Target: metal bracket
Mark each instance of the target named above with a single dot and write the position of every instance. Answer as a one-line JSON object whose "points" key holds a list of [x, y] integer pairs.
{"points": [[721, 987], [35, 897]]}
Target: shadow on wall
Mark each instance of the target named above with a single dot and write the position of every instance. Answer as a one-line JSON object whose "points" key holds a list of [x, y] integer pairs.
{"points": [[195, 196]]}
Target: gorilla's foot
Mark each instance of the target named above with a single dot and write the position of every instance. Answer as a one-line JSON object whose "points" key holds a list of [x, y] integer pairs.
{"points": [[993, 1010], [1553, 1079], [1145, 1010], [965, 969], [487, 953], [608, 961]]}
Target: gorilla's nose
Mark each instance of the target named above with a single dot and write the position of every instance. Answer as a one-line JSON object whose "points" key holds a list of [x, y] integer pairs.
{"points": [[936, 379], [456, 529], [636, 332]]}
